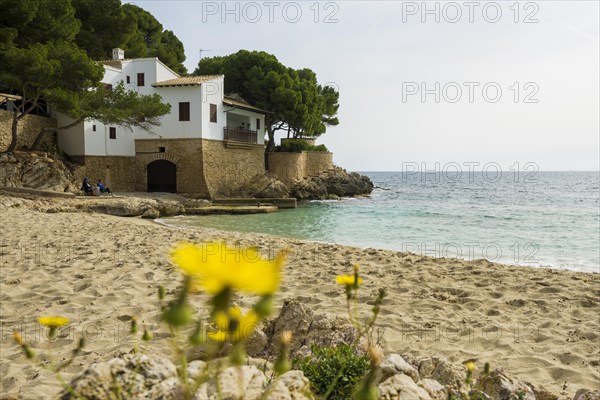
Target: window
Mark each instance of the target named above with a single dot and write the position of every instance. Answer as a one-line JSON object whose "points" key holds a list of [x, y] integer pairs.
{"points": [[112, 132], [257, 124], [184, 111], [161, 149], [140, 79], [93, 128], [213, 113], [128, 79]]}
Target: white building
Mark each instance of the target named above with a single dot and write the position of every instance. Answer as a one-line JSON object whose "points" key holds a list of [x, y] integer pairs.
{"points": [[207, 142]]}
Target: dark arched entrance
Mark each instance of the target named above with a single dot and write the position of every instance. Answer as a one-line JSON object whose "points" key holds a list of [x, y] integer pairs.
{"points": [[162, 176]]}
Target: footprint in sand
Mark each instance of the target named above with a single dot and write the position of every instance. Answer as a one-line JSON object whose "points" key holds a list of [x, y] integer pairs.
{"points": [[516, 302]]}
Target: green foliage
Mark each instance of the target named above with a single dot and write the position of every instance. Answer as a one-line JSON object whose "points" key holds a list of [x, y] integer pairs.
{"points": [[298, 146], [148, 39], [323, 370], [40, 59], [295, 100]]}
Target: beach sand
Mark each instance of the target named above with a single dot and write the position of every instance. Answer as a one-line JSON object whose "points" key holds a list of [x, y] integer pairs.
{"points": [[539, 324]]}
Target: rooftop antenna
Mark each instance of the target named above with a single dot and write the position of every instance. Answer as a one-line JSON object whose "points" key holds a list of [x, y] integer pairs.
{"points": [[200, 53]]}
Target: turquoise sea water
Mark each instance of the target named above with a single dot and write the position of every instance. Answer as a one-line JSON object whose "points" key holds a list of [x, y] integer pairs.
{"points": [[535, 219]]}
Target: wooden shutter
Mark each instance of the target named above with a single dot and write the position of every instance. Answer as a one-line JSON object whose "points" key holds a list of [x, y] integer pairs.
{"points": [[213, 113], [184, 111]]}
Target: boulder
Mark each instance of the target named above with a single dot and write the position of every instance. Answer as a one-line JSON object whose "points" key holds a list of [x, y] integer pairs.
{"points": [[307, 329], [440, 369], [245, 382], [500, 386], [292, 385], [401, 386], [395, 364], [586, 394]]}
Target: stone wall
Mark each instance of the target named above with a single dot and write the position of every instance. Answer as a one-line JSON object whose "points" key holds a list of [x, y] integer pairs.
{"points": [[228, 165], [186, 154], [28, 129], [317, 162], [205, 168], [293, 167], [118, 173]]}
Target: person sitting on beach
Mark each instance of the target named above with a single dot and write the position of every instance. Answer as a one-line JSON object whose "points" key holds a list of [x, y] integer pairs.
{"points": [[103, 188], [87, 188]]}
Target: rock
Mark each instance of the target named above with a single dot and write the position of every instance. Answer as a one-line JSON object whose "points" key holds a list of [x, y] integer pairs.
{"points": [[120, 208], [257, 343], [307, 329], [541, 393], [292, 385], [587, 394], [37, 171], [332, 184], [394, 364], [436, 390], [403, 387], [440, 369], [134, 379], [151, 213], [259, 186], [244, 382], [502, 387]]}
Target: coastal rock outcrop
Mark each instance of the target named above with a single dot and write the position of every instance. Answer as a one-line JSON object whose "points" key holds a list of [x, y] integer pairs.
{"points": [[260, 186], [37, 170], [332, 184]]}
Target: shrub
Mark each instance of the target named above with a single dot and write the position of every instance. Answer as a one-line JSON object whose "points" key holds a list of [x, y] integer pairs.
{"points": [[294, 146], [320, 147], [336, 370], [299, 145]]}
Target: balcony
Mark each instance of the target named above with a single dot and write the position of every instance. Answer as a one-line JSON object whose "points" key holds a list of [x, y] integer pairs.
{"points": [[240, 135]]}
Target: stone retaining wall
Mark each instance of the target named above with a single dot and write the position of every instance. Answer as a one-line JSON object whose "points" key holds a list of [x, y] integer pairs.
{"points": [[28, 129], [205, 168], [293, 167], [226, 168]]}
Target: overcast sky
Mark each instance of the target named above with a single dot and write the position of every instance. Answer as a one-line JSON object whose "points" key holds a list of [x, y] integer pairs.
{"points": [[488, 82]]}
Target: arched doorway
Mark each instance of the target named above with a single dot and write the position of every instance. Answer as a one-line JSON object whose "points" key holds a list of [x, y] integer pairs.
{"points": [[162, 176]]}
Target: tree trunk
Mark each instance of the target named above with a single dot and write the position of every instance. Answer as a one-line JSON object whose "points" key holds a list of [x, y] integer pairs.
{"points": [[40, 136], [13, 139], [271, 144]]}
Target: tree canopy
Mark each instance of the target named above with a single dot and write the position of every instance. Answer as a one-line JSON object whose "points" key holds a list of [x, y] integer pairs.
{"points": [[40, 59], [294, 98], [106, 24]]}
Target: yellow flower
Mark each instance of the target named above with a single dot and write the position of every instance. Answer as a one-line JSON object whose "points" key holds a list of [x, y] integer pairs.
{"points": [[215, 267], [470, 366], [233, 326], [348, 280], [53, 322]]}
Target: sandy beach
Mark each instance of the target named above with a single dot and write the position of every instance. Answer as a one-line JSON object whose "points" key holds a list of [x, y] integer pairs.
{"points": [[98, 270]]}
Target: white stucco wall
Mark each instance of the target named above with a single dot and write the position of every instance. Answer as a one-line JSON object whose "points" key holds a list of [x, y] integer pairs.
{"points": [[171, 127], [212, 93], [71, 140]]}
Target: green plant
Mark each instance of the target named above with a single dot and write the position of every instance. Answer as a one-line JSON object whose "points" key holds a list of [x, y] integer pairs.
{"points": [[320, 148], [323, 366], [298, 146]]}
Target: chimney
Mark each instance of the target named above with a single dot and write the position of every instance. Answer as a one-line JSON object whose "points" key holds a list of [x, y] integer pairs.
{"points": [[118, 54]]}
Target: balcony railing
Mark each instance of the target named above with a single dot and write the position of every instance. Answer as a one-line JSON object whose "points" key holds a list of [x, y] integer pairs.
{"points": [[240, 135]]}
